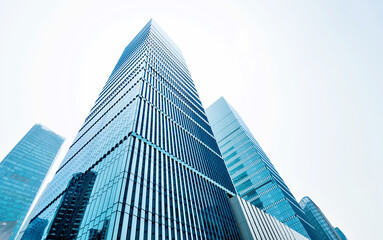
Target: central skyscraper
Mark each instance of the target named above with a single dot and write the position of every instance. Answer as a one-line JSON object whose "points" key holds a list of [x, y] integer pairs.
{"points": [[145, 164]]}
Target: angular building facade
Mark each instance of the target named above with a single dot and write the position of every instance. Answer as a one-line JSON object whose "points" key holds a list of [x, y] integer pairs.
{"points": [[323, 227], [254, 176], [145, 164], [21, 173], [255, 224]]}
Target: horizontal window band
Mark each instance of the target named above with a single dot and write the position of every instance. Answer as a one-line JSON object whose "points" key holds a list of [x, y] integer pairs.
{"points": [[182, 163], [135, 98], [106, 110], [179, 109], [181, 127], [89, 169]]}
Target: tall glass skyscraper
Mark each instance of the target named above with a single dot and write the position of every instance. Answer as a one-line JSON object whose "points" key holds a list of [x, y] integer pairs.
{"points": [[254, 176], [315, 216], [145, 164], [21, 173], [340, 233]]}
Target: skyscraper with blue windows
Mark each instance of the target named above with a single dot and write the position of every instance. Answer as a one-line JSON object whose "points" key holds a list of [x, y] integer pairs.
{"points": [[323, 227], [145, 164], [255, 178], [340, 233], [21, 173]]}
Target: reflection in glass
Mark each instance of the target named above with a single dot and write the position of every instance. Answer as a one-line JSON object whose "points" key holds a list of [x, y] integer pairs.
{"points": [[36, 231], [95, 234], [71, 210]]}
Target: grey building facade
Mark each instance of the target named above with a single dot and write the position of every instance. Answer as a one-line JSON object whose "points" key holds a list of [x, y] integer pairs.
{"points": [[258, 225]]}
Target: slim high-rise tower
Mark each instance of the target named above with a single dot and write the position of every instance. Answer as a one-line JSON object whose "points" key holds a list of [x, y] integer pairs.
{"points": [[21, 173], [323, 227], [340, 233], [145, 164], [254, 176]]}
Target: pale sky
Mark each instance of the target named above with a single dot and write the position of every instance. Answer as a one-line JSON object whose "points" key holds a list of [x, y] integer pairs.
{"points": [[306, 77]]}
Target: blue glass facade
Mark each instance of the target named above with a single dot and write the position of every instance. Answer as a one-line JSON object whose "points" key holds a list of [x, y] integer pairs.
{"points": [[340, 234], [323, 227], [254, 176], [22, 171], [156, 168]]}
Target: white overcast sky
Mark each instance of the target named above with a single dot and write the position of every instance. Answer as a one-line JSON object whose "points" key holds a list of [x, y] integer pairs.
{"points": [[306, 77]]}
